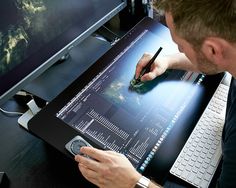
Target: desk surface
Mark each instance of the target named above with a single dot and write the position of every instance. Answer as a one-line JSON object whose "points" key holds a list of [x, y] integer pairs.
{"points": [[30, 162], [27, 160]]}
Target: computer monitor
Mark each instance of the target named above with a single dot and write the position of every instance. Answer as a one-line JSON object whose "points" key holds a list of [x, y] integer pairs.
{"points": [[34, 34]]}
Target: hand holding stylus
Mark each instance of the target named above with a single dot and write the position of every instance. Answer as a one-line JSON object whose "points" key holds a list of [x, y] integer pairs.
{"points": [[157, 68], [147, 67]]}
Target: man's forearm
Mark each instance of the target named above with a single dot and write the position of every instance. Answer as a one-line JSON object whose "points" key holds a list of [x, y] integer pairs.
{"points": [[181, 62]]}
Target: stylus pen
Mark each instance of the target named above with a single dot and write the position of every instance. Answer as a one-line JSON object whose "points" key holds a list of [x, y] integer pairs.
{"points": [[147, 68]]}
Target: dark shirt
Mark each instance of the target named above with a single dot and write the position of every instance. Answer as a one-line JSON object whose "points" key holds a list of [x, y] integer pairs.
{"points": [[228, 171]]}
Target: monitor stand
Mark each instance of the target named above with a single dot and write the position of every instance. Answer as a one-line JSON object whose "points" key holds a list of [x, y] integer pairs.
{"points": [[59, 76], [33, 110], [54, 80]]}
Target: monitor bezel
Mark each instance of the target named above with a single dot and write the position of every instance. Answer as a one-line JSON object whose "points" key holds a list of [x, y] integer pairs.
{"points": [[12, 90]]}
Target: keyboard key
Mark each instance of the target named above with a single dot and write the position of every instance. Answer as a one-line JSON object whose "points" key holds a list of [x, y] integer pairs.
{"points": [[211, 170], [204, 183], [197, 181]]}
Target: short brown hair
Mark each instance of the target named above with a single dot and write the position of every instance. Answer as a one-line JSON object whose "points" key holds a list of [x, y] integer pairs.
{"points": [[195, 20]]}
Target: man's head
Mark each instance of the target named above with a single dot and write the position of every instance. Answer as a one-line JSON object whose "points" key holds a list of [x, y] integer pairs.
{"points": [[199, 19], [205, 30]]}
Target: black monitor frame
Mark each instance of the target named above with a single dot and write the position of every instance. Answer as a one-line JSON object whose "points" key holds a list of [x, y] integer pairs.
{"points": [[18, 77]]}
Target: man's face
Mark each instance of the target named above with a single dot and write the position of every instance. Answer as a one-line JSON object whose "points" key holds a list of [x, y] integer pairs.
{"points": [[196, 57]]}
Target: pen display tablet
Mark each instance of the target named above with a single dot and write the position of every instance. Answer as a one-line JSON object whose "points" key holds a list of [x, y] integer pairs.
{"points": [[149, 124], [131, 121]]}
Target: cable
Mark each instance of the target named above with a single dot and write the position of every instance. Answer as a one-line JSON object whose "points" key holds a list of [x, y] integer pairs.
{"points": [[117, 37], [11, 113], [111, 31]]}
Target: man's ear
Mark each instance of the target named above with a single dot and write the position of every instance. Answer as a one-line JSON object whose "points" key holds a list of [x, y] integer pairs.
{"points": [[212, 48]]}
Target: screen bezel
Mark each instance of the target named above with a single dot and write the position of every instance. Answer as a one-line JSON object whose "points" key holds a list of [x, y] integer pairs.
{"points": [[20, 76]]}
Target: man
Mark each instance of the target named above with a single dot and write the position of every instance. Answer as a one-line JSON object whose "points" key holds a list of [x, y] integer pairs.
{"points": [[205, 32]]}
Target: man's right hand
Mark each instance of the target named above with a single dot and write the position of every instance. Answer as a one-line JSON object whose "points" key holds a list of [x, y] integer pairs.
{"points": [[158, 67]]}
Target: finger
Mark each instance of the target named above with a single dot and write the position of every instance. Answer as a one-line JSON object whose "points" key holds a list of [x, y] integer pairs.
{"points": [[148, 76], [94, 153], [89, 163], [89, 174], [141, 64], [155, 71]]}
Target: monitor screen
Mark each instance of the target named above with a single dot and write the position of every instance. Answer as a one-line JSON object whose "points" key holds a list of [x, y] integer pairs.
{"points": [[35, 34], [132, 120]]}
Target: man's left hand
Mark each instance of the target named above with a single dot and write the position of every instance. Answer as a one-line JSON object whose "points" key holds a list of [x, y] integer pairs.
{"points": [[107, 169]]}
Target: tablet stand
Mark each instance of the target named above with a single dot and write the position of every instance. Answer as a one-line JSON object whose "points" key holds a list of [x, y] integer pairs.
{"points": [[33, 109]]}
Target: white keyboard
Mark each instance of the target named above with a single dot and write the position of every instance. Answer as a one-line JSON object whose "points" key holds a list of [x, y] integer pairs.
{"points": [[201, 154]]}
